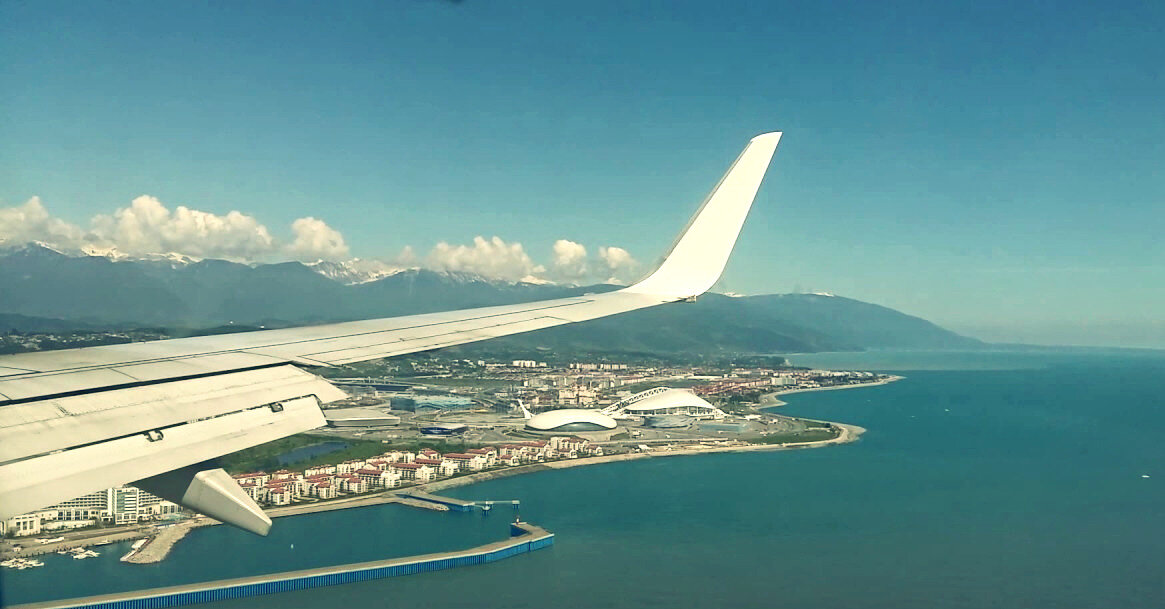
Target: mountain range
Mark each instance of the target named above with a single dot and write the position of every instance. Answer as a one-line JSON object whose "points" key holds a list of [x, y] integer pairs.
{"points": [[41, 288]]}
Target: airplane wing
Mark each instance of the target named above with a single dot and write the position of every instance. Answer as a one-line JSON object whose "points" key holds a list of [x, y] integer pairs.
{"points": [[80, 420]]}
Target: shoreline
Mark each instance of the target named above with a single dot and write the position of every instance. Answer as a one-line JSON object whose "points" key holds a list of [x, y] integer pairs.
{"points": [[777, 402], [159, 545]]}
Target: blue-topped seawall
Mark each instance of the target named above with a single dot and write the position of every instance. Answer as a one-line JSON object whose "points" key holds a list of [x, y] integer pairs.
{"points": [[524, 538]]}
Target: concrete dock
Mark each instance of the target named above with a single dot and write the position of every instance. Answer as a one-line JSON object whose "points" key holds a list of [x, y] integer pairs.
{"points": [[525, 538], [456, 505]]}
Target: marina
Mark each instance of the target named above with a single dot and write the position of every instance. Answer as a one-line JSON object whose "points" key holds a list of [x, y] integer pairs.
{"points": [[21, 563]]}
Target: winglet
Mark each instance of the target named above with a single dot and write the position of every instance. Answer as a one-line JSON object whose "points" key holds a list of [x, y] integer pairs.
{"points": [[696, 260]]}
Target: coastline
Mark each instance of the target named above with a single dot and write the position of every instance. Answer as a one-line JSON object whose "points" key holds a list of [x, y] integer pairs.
{"points": [[770, 400], [849, 433], [159, 545]]}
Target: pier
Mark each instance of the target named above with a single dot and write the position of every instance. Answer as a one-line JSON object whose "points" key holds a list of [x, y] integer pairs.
{"points": [[457, 505], [524, 538]]}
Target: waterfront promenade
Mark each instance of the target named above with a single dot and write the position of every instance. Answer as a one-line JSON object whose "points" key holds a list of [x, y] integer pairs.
{"points": [[525, 538]]}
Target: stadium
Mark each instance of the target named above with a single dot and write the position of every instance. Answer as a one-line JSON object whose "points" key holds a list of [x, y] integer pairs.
{"points": [[571, 420], [666, 401]]}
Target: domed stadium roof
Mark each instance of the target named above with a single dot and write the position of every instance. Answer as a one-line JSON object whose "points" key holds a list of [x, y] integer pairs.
{"points": [[571, 419], [665, 400]]}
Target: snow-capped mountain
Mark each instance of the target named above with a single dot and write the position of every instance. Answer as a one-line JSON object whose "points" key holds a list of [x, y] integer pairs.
{"points": [[173, 259], [354, 271], [37, 281]]}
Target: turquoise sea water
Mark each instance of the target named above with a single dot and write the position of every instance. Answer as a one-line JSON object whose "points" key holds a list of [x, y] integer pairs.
{"points": [[985, 480]]}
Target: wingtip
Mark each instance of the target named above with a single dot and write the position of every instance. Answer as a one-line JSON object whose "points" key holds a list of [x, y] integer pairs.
{"points": [[697, 258]]}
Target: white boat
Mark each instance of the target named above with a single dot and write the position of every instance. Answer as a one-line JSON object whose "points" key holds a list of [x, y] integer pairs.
{"points": [[21, 563]]}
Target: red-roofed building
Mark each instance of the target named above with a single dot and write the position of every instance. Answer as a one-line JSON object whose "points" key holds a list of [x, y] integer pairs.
{"points": [[444, 467], [467, 462], [490, 454], [352, 484], [279, 496], [319, 470], [415, 471], [510, 460], [256, 477]]}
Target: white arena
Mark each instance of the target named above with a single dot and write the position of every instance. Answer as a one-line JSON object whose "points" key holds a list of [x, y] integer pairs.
{"points": [[665, 400], [570, 420]]}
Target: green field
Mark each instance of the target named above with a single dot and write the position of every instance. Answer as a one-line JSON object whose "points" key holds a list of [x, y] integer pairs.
{"points": [[265, 457], [817, 434]]}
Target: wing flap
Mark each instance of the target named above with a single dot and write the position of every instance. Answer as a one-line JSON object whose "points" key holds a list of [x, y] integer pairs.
{"points": [[69, 379], [49, 479], [61, 423]]}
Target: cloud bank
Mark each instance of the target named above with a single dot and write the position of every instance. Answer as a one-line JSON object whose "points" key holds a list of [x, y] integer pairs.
{"points": [[493, 258], [620, 266], [148, 226]]}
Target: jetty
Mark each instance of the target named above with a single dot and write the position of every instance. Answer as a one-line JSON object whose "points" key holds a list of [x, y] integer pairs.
{"points": [[456, 505], [449, 503], [525, 537]]}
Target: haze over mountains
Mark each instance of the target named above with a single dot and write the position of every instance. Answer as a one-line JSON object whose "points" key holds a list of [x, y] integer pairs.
{"points": [[44, 285]]}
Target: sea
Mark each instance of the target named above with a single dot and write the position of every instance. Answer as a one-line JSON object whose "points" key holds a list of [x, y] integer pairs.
{"points": [[986, 479]]}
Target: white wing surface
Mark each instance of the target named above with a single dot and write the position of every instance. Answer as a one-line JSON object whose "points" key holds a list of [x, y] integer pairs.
{"points": [[79, 420]]}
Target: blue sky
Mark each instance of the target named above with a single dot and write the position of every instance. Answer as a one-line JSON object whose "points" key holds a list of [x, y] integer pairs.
{"points": [[995, 167]]}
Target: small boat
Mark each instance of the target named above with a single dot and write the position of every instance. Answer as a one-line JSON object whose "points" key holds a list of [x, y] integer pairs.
{"points": [[21, 563]]}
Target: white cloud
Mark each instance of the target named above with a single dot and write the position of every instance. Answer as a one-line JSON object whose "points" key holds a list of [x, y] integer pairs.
{"points": [[406, 258], [32, 222], [621, 266], [492, 258], [147, 226], [569, 261], [315, 240]]}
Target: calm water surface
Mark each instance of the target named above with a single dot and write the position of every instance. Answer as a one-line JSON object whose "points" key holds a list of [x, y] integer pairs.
{"points": [[1006, 482], [311, 451]]}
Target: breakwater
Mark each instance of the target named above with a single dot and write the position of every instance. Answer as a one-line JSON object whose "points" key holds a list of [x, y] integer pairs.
{"points": [[524, 538], [449, 503]]}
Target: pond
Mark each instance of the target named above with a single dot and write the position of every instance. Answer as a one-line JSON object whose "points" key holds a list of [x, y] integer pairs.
{"points": [[311, 451]]}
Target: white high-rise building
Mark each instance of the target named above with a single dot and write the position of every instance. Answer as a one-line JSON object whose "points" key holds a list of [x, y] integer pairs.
{"points": [[120, 505]]}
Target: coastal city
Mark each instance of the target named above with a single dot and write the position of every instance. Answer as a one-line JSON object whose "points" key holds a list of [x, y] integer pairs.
{"points": [[414, 426]]}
